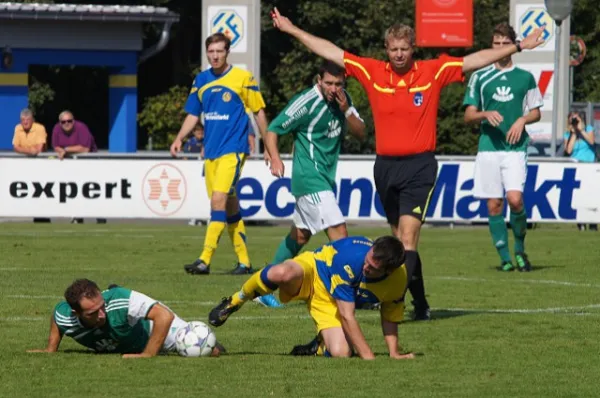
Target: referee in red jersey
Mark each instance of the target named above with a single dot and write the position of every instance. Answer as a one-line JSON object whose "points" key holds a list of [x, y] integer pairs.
{"points": [[404, 94]]}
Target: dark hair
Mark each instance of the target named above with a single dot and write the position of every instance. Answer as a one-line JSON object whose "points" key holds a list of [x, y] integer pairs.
{"points": [[331, 68], [79, 289], [216, 38], [504, 29], [389, 252]]}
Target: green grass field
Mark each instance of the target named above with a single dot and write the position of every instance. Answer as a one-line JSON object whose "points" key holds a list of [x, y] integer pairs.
{"points": [[494, 334]]}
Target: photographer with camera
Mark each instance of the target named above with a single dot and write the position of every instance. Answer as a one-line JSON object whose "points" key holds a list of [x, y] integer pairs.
{"points": [[579, 139], [580, 145]]}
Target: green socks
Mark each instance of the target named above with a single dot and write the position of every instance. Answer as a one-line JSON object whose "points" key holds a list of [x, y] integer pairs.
{"points": [[499, 234], [518, 223], [288, 248]]}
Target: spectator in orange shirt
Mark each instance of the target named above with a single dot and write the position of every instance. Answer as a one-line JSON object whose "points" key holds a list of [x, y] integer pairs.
{"points": [[30, 137]]}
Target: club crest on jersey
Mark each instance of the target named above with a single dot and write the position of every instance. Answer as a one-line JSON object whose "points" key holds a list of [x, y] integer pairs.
{"points": [[418, 99], [226, 96], [334, 129], [503, 94]]}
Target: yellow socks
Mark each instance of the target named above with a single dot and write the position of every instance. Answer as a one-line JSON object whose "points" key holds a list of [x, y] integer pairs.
{"points": [[213, 234], [237, 233], [257, 285]]}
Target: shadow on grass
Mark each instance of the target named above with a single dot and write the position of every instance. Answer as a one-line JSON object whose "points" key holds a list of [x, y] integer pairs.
{"points": [[533, 268]]}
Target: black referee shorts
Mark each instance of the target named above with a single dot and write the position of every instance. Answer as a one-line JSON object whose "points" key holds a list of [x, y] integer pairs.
{"points": [[405, 184]]}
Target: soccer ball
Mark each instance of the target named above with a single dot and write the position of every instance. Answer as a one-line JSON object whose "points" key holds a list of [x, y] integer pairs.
{"points": [[195, 340]]}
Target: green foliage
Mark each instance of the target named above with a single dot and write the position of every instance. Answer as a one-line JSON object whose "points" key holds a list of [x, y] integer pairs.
{"points": [[39, 94], [359, 26], [162, 115], [356, 25]]}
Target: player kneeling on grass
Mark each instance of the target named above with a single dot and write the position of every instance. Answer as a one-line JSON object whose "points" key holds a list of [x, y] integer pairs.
{"points": [[117, 320], [328, 280]]}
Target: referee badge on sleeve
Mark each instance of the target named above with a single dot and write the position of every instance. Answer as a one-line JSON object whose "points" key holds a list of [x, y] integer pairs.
{"points": [[418, 99]]}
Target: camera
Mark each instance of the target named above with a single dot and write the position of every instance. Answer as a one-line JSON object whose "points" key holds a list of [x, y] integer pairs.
{"points": [[574, 121]]}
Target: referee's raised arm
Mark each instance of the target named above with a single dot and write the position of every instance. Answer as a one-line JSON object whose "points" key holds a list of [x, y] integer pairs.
{"points": [[323, 48], [488, 56]]}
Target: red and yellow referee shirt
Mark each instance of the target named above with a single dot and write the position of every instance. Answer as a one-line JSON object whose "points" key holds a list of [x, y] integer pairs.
{"points": [[404, 106]]}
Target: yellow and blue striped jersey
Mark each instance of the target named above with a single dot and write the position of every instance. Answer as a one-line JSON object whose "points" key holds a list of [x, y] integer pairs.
{"points": [[225, 100], [340, 265], [388, 290]]}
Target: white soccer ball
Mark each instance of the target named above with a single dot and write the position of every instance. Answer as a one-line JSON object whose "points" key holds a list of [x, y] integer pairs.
{"points": [[195, 340]]}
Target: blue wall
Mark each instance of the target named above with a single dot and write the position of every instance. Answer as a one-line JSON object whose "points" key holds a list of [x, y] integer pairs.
{"points": [[122, 90]]}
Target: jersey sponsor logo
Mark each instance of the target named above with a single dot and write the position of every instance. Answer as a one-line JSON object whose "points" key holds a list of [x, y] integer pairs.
{"points": [[216, 90], [64, 191], [548, 193], [503, 94], [297, 115], [215, 116], [226, 96], [334, 128], [164, 189], [418, 99], [106, 345]]}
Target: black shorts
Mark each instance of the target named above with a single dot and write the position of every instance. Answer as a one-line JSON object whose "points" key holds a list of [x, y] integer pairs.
{"points": [[405, 184]]}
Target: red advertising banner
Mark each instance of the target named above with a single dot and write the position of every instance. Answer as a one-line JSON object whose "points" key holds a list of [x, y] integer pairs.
{"points": [[444, 23]]}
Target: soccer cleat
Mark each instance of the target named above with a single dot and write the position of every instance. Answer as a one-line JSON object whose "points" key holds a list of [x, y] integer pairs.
{"points": [[220, 347], [269, 300], [198, 267], [421, 313], [309, 349], [523, 262], [221, 312], [506, 266], [241, 269]]}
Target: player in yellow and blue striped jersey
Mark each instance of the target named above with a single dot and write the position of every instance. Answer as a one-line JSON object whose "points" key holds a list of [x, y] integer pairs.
{"points": [[385, 293], [328, 280], [227, 97]]}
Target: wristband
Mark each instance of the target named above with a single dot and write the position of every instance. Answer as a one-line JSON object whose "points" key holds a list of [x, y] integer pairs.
{"points": [[350, 111], [518, 44]]}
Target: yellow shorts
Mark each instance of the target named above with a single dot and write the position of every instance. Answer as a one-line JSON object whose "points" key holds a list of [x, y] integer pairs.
{"points": [[321, 306], [222, 174]]}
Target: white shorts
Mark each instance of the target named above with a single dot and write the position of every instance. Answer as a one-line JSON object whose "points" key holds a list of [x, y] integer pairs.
{"points": [[317, 212], [497, 172], [169, 344]]}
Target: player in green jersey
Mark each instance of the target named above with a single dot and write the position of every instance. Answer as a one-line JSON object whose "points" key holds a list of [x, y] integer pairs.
{"points": [[117, 320], [503, 98], [319, 118]]}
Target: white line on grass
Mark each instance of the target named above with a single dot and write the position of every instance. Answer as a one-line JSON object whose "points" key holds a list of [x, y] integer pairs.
{"points": [[531, 281], [375, 314]]}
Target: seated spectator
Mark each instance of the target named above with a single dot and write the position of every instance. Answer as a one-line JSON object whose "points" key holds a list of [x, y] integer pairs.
{"points": [[196, 143], [580, 145], [30, 137], [71, 136]]}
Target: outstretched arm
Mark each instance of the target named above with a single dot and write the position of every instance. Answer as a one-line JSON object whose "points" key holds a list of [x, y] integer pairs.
{"points": [[54, 338], [323, 48], [489, 56]]}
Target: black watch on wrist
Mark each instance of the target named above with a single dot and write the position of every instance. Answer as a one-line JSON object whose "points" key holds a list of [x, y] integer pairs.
{"points": [[518, 44]]}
